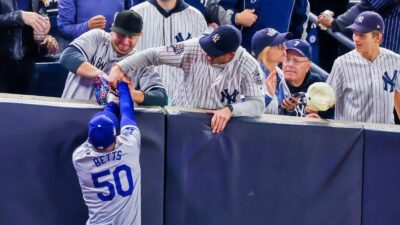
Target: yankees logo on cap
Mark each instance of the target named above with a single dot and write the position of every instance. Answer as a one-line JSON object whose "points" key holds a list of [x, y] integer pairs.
{"points": [[366, 22], [215, 38], [221, 41]]}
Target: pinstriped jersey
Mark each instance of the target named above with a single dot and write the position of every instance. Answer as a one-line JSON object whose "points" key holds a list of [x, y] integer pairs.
{"points": [[96, 46], [390, 11], [365, 89], [204, 85], [161, 30], [110, 181]]}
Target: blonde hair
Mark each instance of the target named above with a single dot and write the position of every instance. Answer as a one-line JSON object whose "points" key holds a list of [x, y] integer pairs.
{"points": [[262, 53]]}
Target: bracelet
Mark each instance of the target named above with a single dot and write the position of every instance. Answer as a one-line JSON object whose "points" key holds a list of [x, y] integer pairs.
{"points": [[229, 107]]}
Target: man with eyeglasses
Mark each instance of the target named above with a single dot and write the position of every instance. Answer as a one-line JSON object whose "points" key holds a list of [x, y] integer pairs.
{"points": [[91, 56], [298, 77]]}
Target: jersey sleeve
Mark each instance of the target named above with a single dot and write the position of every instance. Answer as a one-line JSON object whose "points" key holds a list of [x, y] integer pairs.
{"points": [[177, 55], [252, 81], [130, 135], [88, 42]]}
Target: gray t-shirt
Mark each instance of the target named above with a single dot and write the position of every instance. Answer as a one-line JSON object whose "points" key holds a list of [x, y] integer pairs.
{"points": [[96, 46]]}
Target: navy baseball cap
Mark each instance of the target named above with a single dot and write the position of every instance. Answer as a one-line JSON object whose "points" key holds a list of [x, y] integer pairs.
{"points": [[102, 129], [366, 22], [300, 46], [221, 41], [267, 37], [127, 22]]}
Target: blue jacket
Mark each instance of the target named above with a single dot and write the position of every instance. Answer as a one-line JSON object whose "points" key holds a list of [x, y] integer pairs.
{"points": [[73, 15], [278, 14]]}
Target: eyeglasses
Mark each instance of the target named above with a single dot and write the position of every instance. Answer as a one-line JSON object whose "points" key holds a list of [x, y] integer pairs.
{"points": [[295, 61]]}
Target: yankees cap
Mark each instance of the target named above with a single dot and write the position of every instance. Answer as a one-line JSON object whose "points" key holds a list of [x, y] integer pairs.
{"points": [[102, 129], [320, 96], [127, 22], [221, 41], [267, 37], [366, 22], [300, 46]]}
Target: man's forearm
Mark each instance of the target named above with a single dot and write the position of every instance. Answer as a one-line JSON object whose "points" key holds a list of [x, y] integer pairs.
{"points": [[139, 61], [253, 106]]}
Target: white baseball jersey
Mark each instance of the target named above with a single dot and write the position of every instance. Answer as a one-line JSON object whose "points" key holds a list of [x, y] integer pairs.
{"points": [[96, 46], [204, 85], [365, 89], [161, 28], [110, 181]]}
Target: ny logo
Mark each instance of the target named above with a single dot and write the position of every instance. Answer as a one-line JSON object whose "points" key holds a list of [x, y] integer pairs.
{"points": [[230, 98], [271, 32], [296, 43], [360, 19], [253, 1], [98, 62], [179, 37], [215, 38], [389, 81]]}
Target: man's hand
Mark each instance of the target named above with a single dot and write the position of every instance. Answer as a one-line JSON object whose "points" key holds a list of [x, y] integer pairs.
{"points": [[246, 18], [270, 83], [220, 119], [116, 75], [290, 104], [98, 21], [325, 21], [37, 22], [137, 96], [51, 44]]}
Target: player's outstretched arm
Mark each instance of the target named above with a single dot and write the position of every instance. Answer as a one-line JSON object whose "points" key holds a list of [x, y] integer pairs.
{"points": [[126, 106]]}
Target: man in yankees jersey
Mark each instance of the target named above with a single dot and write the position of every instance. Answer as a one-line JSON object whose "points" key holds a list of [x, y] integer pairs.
{"points": [[216, 72], [167, 22], [366, 80], [96, 51], [108, 167]]}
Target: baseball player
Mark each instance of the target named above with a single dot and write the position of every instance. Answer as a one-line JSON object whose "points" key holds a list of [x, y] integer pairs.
{"points": [[216, 73], [167, 22], [366, 80], [108, 166], [96, 51]]}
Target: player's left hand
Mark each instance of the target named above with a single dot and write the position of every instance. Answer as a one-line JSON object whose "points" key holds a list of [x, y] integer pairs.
{"points": [[220, 119], [51, 44]]}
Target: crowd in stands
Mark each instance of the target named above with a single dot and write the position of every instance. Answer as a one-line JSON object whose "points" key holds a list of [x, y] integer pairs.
{"points": [[235, 58]]}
